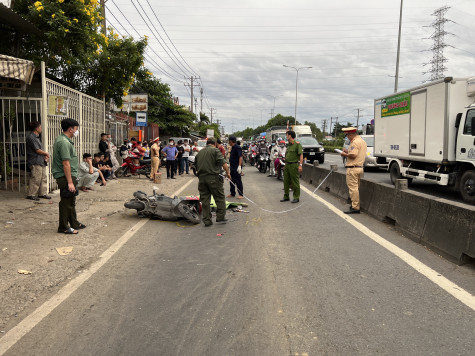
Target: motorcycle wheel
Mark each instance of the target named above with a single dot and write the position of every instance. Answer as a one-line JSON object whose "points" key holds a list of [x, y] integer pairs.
{"points": [[189, 213], [147, 172], [194, 172], [121, 172], [135, 204], [262, 168]]}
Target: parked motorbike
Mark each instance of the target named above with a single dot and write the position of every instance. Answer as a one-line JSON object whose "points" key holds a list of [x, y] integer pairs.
{"points": [[144, 167], [160, 206], [263, 162], [280, 167], [192, 164]]}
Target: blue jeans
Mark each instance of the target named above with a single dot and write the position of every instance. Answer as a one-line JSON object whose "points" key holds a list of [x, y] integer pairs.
{"points": [[184, 165]]}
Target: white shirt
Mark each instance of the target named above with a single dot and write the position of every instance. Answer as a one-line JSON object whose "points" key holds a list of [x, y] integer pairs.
{"points": [[186, 153]]}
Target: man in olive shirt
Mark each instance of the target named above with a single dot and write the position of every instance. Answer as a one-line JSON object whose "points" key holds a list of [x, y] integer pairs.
{"points": [[355, 157], [65, 171], [293, 168], [208, 165]]}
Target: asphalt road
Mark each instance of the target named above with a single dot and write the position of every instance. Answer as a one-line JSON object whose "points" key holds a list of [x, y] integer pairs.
{"points": [[382, 176], [306, 282]]}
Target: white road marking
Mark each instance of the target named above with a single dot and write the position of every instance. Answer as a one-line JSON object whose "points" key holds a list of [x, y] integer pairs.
{"points": [[447, 285], [25, 326]]}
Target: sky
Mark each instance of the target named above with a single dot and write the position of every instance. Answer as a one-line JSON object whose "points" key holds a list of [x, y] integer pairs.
{"points": [[238, 50]]}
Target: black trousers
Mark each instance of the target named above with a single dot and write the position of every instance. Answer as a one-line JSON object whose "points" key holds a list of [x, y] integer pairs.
{"points": [[170, 168], [67, 207], [236, 179]]}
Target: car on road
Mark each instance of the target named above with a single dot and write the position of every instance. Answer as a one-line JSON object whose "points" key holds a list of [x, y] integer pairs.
{"points": [[370, 160], [312, 150]]}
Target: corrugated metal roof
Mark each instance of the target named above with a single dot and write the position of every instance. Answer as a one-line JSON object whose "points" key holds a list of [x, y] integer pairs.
{"points": [[10, 17], [16, 68]]}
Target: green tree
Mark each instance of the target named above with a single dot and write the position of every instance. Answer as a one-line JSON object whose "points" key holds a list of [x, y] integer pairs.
{"points": [[74, 49]]}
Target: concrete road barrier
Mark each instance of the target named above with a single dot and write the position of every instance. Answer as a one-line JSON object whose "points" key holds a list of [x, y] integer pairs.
{"points": [[446, 227]]}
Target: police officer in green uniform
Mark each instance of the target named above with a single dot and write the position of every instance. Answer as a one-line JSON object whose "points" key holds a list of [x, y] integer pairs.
{"points": [[293, 168], [208, 166]]}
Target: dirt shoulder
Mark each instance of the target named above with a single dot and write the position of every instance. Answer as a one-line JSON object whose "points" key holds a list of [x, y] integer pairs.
{"points": [[29, 238]]}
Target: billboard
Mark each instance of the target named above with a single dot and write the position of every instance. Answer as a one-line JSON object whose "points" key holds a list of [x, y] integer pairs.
{"points": [[133, 102], [396, 105]]}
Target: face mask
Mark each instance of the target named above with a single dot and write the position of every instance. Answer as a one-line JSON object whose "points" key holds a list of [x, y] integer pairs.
{"points": [[76, 133]]}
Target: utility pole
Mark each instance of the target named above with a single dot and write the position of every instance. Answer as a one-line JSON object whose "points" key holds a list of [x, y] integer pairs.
{"points": [[103, 14], [336, 123], [212, 111], [191, 89], [201, 92], [330, 130], [398, 50], [358, 118], [324, 126], [196, 106]]}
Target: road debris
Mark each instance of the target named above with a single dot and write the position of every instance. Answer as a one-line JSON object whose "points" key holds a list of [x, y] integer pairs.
{"points": [[64, 251], [23, 271]]}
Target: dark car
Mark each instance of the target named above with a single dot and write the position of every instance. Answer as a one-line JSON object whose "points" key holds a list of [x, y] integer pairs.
{"points": [[312, 150]]}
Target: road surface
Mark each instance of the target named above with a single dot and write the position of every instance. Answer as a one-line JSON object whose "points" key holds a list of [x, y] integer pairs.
{"points": [[310, 281]]}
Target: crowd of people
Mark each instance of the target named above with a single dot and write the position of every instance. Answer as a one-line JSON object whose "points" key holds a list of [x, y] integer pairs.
{"points": [[212, 163]]}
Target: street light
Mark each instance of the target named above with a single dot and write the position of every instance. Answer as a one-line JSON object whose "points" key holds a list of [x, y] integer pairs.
{"points": [[296, 86], [273, 109]]}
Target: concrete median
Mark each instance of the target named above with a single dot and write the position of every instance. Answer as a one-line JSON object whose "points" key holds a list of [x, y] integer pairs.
{"points": [[447, 227]]}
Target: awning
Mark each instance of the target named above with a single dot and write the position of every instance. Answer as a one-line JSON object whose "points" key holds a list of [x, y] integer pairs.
{"points": [[16, 68]]}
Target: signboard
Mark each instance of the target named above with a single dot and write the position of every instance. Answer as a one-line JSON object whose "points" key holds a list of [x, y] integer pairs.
{"points": [[396, 105], [58, 105], [141, 119], [133, 102], [209, 133]]}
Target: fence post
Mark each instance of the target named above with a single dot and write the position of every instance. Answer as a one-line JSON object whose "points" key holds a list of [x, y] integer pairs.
{"points": [[44, 121]]}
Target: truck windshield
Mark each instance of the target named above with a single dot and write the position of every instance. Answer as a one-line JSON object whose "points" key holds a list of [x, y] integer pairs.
{"points": [[307, 141], [369, 141]]}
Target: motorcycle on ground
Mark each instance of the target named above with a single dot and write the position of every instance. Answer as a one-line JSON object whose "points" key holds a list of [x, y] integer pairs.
{"points": [[144, 167], [160, 206], [263, 162]]}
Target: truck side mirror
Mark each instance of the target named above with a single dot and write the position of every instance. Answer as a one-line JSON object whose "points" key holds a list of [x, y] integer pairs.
{"points": [[457, 120]]}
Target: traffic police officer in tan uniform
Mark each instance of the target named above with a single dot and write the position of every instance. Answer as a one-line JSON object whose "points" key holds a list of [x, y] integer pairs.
{"points": [[355, 157], [208, 166]]}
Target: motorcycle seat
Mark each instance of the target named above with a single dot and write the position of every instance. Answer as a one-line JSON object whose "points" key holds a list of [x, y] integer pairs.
{"points": [[145, 161]]}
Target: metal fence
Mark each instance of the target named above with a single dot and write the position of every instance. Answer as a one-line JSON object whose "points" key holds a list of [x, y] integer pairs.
{"points": [[18, 112]]}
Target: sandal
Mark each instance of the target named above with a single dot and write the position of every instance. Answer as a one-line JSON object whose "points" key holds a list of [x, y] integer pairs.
{"points": [[81, 226], [69, 231], [44, 196]]}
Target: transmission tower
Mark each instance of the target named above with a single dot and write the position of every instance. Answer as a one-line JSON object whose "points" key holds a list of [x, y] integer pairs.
{"points": [[437, 64]]}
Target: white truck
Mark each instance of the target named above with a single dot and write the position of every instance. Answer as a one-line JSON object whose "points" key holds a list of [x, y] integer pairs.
{"points": [[302, 130], [427, 133]]}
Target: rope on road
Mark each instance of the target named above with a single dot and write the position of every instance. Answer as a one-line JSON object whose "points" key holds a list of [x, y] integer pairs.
{"points": [[271, 211]]}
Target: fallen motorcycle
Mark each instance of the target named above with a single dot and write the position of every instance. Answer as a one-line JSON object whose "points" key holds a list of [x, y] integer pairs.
{"points": [[160, 206]]}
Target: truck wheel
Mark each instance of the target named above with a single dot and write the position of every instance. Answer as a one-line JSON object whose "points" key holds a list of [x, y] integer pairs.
{"points": [[321, 160], [467, 187], [394, 173]]}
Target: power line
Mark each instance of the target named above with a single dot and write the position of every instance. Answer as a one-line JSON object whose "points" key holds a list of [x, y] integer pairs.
{"points": [[171, 42], [164, 43], [141, 36]]}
